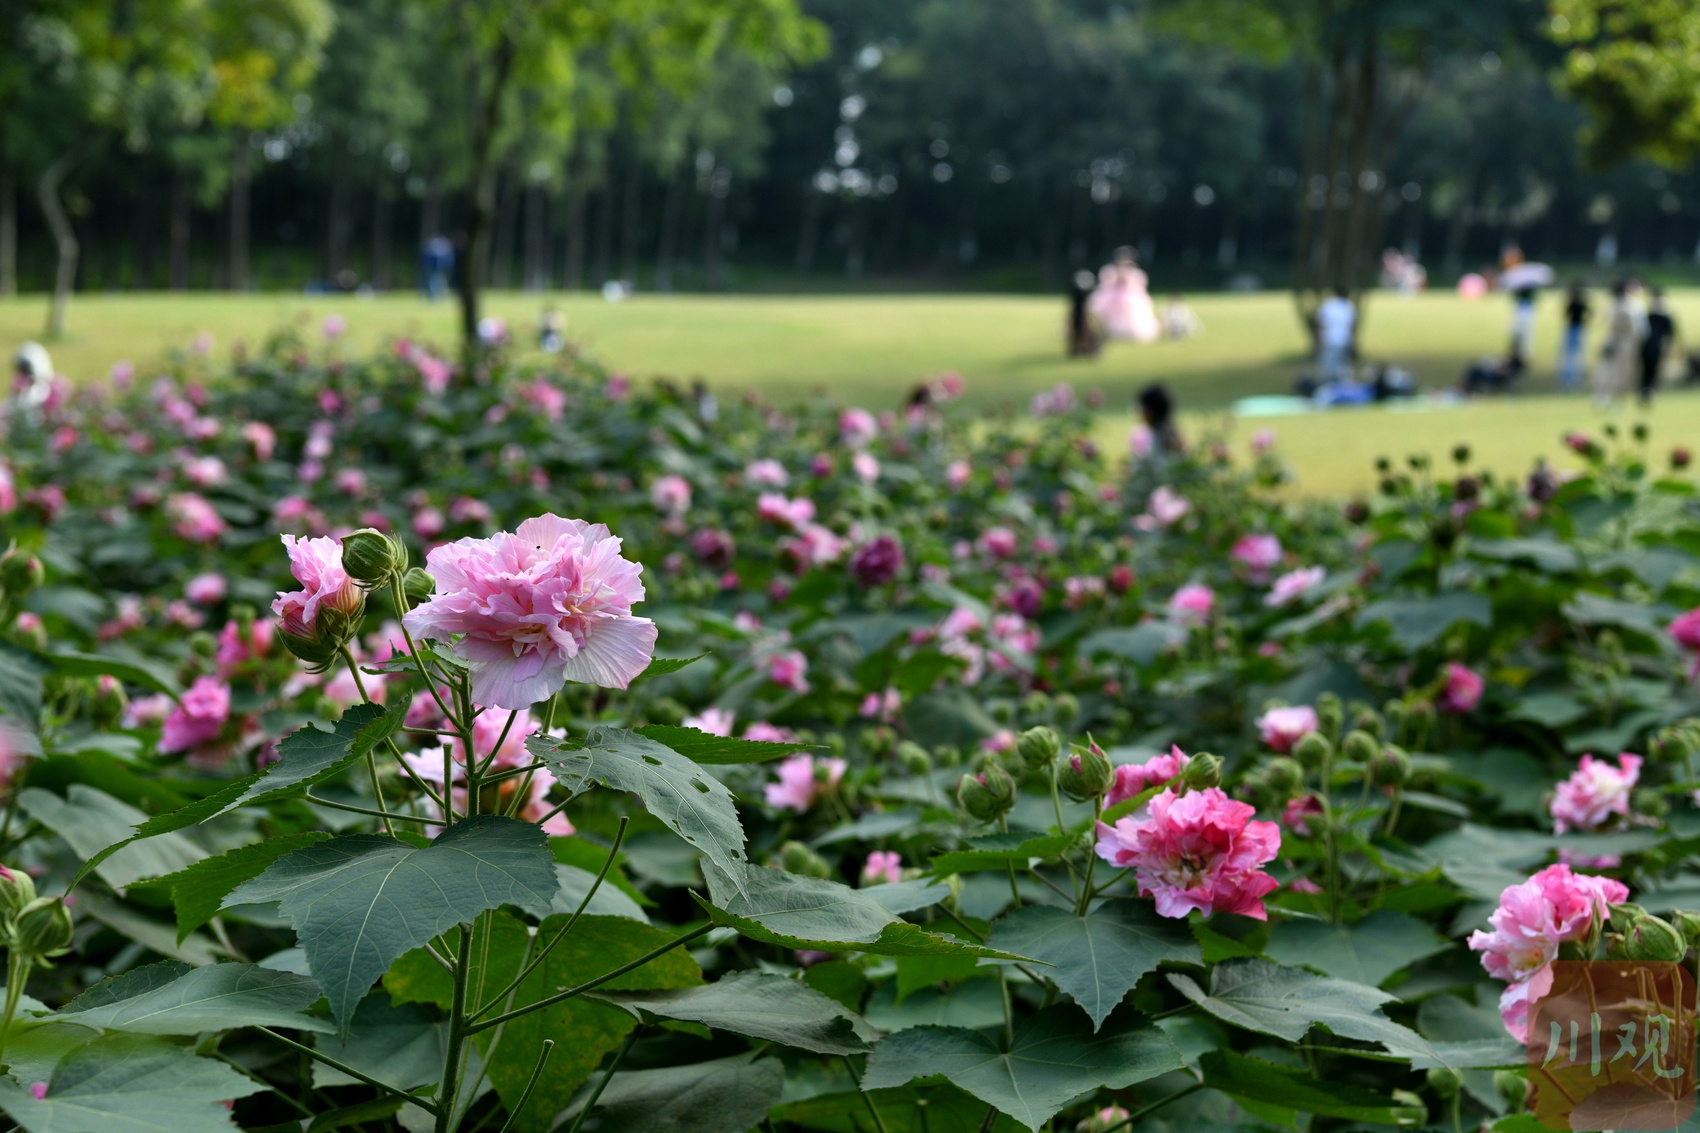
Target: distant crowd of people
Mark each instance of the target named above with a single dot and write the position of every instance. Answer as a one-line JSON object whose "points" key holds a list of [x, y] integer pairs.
{"points": [[1115, 306]]}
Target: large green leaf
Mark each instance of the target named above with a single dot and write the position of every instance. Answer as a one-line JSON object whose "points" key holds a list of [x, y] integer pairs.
{"points": [[1141, 644], [584, 1030], [217, 997], [1098, 957], [760, 1005], [607, 901], [91, 820], [792, 911], [1055, 1057], [726, 1095], [137, 670], [705, 747], [949, 718], [1287, 1002], [358, 902], [401, 1045], [1264, 1087], [1366, 953], [1589, 608], [996, 851], [690, 802], [311, 754], [129, 1084], [1416, 622], [128, 985], [20, 694], [197, 892], [1545, 554]]}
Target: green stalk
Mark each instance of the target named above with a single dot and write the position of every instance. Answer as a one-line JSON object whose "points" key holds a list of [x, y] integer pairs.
{"points": [[1091, 860], [412, 1099], [17, 972], [536, 1073], [590, 1102], [588, 985], [458, 1033], [867, 1099], [371, 757], [1141, 1113]]}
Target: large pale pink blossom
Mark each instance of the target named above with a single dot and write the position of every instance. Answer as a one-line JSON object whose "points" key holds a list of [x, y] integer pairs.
{"points": [[1595, 793], [199, 718], [998, 542], [502, 747], [714, 721], [815, 546], [205, 589], [1201, 851], [1553, 907], [550, 603], [317, 566], [1281, 728], [883, 867], [1136, 778], [193, 518], [776, 508], [1293, 585], [671, 494], [789, 669], [766, 473], [857, 427], [801, 781], [1165, 508], [1259, 554], [1463, 689]]}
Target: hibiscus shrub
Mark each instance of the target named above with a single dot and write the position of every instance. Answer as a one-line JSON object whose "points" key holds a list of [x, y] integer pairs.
{"points": [[592, 757]]}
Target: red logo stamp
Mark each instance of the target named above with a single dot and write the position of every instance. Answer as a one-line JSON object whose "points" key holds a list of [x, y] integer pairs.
{"points": [[1612, 1046]]}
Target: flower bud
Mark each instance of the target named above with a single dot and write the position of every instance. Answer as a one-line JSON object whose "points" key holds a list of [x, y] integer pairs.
{"points": [[794, 857], [109, 702], [988, 795], [1202, 772], [1313, 749], [1390, 767], [42, 928], [1687, 923], [1330, 714], [1035, 704], [914, 758], [1001, 711], [1038, 746], [1620, 916], [1360, 746], [418, 586], [1419, 724], [1650, 938], [1647, 801], [1367, 719], [1086, 773], [1445, 1082], [1065, 710], [20, 572], [372, 558], [1673, 744], [30, 631], [16, 891], [1394, 712], [1284, 774], [1513, 1089]]}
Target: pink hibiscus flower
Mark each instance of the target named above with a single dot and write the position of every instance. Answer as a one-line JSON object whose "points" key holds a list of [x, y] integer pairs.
{"points": [[1200, 851], [1595, 793]]}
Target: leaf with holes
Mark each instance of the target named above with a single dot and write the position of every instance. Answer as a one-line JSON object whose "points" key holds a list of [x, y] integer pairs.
{"points": [[690, 802]]}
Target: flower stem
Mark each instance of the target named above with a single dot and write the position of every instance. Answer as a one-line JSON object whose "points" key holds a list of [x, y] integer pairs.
{"points": [[867, 1098], [590, 1102], [536, 1073], [17, 971], [458, 1034], [371, 757], [350, 1071]]}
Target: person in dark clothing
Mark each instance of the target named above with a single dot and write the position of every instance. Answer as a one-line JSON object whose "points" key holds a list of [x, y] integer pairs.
{"points": [[1576, 312], [1661, 332], [1084, 337], [1157, 409]]}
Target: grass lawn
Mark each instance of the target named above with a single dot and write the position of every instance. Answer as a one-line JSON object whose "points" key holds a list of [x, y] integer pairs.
{"points": [[872, 349]]}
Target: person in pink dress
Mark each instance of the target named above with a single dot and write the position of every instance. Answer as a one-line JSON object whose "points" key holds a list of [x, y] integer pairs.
{"points": [[1122, 303]]}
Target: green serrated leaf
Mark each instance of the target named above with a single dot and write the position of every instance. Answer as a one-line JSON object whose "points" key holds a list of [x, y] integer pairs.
{"points": [[217, 997], [136, 670], [690, 802], [93, 821], [661, 666], [1054, 1058], [129, 1084], [375, 1110], [358, 902], [1366, 952], [1289, 1088], [127, 985], [198, 892], [994, 851], [792, 911], [1098, 957], [196, 812], [310, 754], [724, 1095], [757, 1004], [1417, 622], [705, 747]]}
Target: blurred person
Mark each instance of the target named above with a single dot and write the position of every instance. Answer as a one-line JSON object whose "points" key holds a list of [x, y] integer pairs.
{"points": [[1122, 303], [1085, 336], [1157, 409], [436, 265], [1576, 313], [32, 374], [1522, 329], [1179, 321], [551, 331], [1336, 324], [1614, 372], [1655, 344]]}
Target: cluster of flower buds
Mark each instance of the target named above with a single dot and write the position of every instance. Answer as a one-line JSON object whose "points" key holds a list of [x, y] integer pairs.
{"points": [[20, 573], [373, 559], [1086, 773], [1677, 743], [1038, 747], [1638, 935], [33, 928], [988, 795], [794, 857]]}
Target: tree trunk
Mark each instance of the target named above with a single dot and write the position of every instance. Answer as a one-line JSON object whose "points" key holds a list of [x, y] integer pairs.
{"points": [[507, 229], [382, 236], [8, 226], [631, 218], [667, 242], [241, 179], [718, 189], [573, 270], [180, 217], [487, 104], [338, 230], [809, 237], [64, 236], [604, 235], [536, 239]]}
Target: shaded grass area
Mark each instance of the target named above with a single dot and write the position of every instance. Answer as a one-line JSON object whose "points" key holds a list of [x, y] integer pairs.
{"points": [[873, 349]]}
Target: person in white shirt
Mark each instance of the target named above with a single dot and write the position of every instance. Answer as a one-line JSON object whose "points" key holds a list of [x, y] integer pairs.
{"points": [[1336, 319]]}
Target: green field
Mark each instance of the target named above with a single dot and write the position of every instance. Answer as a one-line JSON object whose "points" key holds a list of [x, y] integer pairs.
{"points": [[872, 349]]}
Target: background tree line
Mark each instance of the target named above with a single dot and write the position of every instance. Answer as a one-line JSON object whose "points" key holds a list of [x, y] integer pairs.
{"points": [[718, 143]]}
